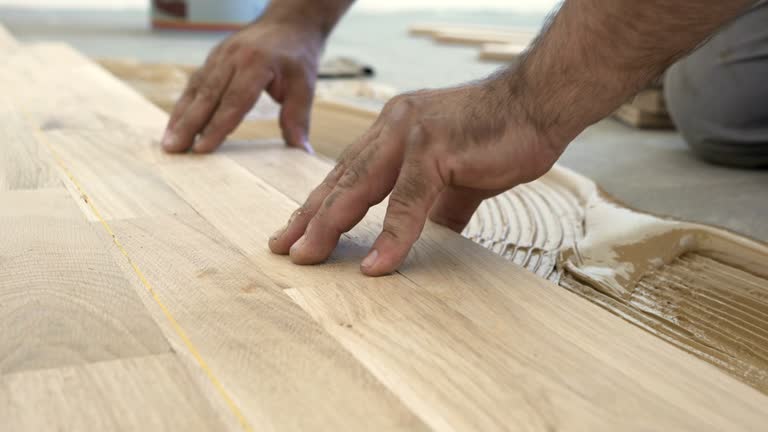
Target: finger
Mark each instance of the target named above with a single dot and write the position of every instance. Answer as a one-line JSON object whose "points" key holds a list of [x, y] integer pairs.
{"points": [[284, 238], [181, 106], [455, 207], [366, 182], [295, 113], [416, 189], [196, 115], [239, 97]]}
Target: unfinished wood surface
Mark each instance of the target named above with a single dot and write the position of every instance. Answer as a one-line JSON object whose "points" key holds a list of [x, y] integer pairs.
{"points": [[270, 357], [535, 223], [473, 35], [502, 308], [505, 53], [635, 117], [650, 100], [24, 163], [64, 299], [263, 348], [152, 393], [479, 37], [459, 339]]}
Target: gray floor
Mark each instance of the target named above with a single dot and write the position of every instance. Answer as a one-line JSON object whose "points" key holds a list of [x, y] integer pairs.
{"points": [[652, 171]]}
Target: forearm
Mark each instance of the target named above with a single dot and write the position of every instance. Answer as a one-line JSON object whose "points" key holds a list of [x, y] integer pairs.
{"points": [[319, 16], [596, 53]]}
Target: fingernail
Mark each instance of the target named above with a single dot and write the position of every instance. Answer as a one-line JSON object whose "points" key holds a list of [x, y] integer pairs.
{"points": [[278, 233], [298, 245], [308, 147], [168, 140], [370, 260]]}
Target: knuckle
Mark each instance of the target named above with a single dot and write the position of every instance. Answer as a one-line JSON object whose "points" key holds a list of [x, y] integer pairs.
{"points": [[249, 57], [207, 93], [419, 135], [350, 177], [195, 80]]}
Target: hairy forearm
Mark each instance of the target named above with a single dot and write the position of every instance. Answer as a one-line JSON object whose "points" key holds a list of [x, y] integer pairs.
{"points": [[319, 16], [594, 54]]}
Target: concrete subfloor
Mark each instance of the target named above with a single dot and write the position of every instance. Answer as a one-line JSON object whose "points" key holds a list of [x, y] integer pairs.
{"points": [[650, 171]]}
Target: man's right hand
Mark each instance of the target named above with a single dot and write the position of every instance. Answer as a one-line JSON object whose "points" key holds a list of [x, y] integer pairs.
{"points": [[279, 58]]}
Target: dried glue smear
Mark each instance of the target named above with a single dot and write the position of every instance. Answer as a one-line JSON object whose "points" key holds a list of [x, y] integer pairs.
{"points": [[700, 288]]}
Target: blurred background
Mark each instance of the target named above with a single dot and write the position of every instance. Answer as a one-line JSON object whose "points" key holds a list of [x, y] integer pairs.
{"points": [[374, 32]]}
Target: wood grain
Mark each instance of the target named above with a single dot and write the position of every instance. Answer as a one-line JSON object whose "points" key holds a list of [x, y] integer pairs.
{"points": [[458, 339], [265, 350], [635, 117], [452, 289], [152, 393], [24, 163], [64, 300], [504, 52]]}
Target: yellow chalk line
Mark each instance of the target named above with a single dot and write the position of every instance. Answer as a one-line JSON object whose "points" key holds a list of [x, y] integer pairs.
{"points": [[174, 324]]}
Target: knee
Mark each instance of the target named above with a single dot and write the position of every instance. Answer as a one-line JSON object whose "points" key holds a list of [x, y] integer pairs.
{"points": [[716, 120]]}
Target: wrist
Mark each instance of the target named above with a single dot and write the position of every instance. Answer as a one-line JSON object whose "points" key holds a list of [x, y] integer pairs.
{"points": [[313, 18], [529, 111]]}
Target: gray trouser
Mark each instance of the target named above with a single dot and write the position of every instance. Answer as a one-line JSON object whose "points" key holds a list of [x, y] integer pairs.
{"points": [[718, 95]]}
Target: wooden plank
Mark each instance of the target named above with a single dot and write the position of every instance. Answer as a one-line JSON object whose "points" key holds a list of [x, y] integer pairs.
{"points": [[65, 301], [151, 393], [633, 116], [478, 292], [24, 164], [464, 339], [650, 100], [263, 348], [506, 52], [112, 174], [479, 37], [267, 354]]}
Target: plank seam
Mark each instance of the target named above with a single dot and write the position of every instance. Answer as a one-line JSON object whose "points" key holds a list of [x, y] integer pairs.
{"points": [[180, 332]]}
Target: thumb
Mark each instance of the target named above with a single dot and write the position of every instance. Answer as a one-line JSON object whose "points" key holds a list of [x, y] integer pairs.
{"points": [[295, 115], [455, 207]]}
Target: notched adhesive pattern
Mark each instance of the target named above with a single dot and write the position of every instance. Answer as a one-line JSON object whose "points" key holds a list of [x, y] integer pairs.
{"points": [[701, 288]]}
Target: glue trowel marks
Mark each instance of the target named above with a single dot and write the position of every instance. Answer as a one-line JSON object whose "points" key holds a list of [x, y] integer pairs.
{"points": [[701, 288]]}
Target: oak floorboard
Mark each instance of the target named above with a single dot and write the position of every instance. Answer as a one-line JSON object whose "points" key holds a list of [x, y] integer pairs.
{"points": [[521, 310], [464, 339], [63, 299], [24, 162], [285, 372], [152, 393], [279, 368]]}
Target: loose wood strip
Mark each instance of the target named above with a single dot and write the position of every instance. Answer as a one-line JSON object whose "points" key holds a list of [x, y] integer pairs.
{"points": [[651, 101], [64, 300], [504, 52], [479, 37], [632, 116], [152, 393]]}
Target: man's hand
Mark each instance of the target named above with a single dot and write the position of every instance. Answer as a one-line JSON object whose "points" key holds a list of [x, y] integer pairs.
{"points": [[439, 153], [278, 58]]}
